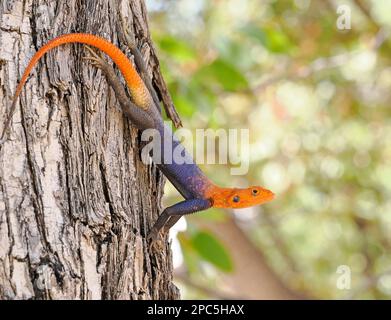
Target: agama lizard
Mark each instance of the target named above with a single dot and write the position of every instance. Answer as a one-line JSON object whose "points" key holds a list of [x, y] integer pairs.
{"points": [[199, 192]]}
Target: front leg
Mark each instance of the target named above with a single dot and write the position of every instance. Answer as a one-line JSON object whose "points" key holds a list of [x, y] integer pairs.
{"points": [[175, 212]]}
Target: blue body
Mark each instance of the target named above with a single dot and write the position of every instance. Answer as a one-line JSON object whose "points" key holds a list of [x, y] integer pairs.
{"points": [[187, 177]]}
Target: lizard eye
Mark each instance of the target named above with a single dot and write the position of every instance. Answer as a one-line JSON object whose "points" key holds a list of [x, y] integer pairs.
{"points": [[236, 199], [254, 192]]}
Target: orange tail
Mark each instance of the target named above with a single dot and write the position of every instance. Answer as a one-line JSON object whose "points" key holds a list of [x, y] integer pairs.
{"points": [[136, 86], [139, 92]]}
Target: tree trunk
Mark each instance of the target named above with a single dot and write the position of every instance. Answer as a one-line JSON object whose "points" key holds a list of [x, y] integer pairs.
{"points": [[76, 201]]}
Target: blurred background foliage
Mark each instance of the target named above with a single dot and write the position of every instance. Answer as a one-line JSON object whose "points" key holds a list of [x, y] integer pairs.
{"points": [[316, 100]]}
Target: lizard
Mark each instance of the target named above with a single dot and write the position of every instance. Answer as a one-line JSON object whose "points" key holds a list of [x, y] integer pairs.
{"points": [[199, 192]]}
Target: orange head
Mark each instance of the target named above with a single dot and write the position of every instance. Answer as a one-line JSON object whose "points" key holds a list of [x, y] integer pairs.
{"points": [[240, 198]]}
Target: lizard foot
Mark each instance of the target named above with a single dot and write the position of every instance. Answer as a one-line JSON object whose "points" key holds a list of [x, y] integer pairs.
{"points": [[153, 235], [94, 59]]}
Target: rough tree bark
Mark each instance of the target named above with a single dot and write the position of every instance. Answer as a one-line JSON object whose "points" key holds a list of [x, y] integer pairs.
{"points": [[75, 199]]}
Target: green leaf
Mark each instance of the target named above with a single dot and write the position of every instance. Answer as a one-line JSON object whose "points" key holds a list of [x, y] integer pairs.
{"points": [[189, 255], [212, 250], [203, 98], [256, 33], [184, 105], [214, 215], [178, 49], [272, 39], [224, 73], [277, 41]]}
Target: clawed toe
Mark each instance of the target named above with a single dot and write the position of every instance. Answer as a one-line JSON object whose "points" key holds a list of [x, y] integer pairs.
{"points": [[93, 58], [152, 236]]}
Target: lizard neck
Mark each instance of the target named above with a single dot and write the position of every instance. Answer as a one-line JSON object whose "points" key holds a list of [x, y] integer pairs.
{"points": [[218, 195]]}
